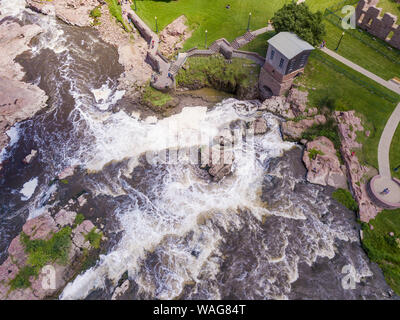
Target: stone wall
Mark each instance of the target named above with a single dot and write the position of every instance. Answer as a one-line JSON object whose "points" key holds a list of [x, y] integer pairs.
{"points": [[385, 27]]}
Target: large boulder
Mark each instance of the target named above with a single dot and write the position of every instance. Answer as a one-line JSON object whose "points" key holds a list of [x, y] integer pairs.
{"points": [[323, 165], [217, 161], [294, 129], [348, 125], [44, 227], [173, 36]]}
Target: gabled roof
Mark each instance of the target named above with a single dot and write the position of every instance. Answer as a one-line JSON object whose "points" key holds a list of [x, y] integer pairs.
{"points": [[289, 44]]}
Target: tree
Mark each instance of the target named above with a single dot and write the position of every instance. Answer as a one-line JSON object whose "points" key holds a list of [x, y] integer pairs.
{"points": [[301, 21]]}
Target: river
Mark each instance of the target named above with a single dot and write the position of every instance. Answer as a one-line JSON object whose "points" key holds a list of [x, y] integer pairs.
{"points": [[261, 233]]}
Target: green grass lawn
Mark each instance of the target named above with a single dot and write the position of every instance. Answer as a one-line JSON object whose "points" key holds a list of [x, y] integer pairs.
{"points": [[213, 16], [360, 53], [383, 248], [389, 6], [395, 153], [330, 88]]}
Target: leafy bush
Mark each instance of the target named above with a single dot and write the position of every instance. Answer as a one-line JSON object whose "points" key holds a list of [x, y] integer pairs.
{"points": [[40, 252], [345, 197], [218, 73], [21, 280], [300, 20], [79, 219], [95, 13], [94, 238], [312, 154], [329, 130]]}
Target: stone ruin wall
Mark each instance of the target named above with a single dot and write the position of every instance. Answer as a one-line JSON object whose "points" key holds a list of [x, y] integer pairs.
{"points": [[368, 18]]}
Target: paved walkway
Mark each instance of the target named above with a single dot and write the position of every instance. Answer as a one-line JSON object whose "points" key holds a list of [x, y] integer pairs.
{"points": [[384, 179], [389, 85], [385, 142]]}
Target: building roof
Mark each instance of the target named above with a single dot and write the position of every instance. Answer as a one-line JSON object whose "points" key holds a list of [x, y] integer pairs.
{"points": [[289, 44]]}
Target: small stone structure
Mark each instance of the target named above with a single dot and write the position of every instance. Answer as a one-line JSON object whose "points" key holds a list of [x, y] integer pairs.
{"points": [[286, 57], [368, 18]]}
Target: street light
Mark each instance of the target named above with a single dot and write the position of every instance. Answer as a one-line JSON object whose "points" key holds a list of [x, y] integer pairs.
{"points": [[248, 23], [206, 41], [134, 1], [340, 40], [156, 24]]}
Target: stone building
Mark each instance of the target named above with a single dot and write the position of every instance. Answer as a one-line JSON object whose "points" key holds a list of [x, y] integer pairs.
{"points": [[286, 57], [369, 17]]}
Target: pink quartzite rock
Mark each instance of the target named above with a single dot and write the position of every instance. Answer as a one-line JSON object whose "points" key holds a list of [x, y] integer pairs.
{"points": [[69, 171], [16, 251], [348, 125], [294, 129], [79, 234], [41, 227], [324, 169], [65, 218]]}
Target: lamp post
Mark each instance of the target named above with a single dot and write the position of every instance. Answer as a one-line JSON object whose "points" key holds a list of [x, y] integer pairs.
{"points": [[156, 24], [340, 40], [248, 23], [134, 1], [205, 44]]}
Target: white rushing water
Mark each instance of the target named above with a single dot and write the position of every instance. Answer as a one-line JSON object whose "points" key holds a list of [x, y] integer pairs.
{"points": [[176, 201]]}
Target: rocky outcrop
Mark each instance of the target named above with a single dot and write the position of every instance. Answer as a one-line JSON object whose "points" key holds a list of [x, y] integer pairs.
{"points": [[18, 100], [52, 277], [73, 12], [29, 158], [294, 129], [349, 124], [290, 107], [173, 36], [323, 165], [217, 161]]}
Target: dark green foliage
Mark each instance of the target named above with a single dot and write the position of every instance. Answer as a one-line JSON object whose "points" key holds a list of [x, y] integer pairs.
{"points": [[345, 198], [383, 248], [300, 20], [329, 130], [312, 154], [218, 73], [21, 280], [79, 219], [94, 238], [40, 252]]}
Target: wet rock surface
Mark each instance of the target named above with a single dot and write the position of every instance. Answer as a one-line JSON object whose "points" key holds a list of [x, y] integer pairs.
{"points": [[323, 165]]}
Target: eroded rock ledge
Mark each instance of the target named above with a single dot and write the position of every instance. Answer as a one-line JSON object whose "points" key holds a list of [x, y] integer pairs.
{"points": [[18, 100]]}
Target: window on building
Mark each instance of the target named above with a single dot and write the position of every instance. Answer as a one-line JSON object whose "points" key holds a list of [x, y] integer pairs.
{"points": [[272, 54], [281, 63]]}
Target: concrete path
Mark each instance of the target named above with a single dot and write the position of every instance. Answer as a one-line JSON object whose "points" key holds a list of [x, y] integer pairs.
{"points": [[385, 142], [384, 180], [389, 85]]}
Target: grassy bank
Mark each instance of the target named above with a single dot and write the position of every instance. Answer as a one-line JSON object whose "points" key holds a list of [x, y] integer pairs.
{"points": [[383, 248], [116, 12], [333, 89], [155, 99], [213, 16], [216, 72]]}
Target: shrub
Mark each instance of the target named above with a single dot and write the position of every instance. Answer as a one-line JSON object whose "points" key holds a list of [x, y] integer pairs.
{"points": [[312, 154], [79, 219], [94, 238], [345, 197], [21, 280], [300, 20]]}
